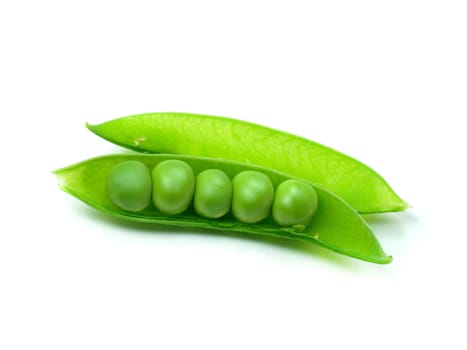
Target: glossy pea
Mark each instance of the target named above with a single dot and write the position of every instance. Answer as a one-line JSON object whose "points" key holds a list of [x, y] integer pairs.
{"points": [[129, 185], [295, 203], [213, 194], [252, 196], [173, 186]]}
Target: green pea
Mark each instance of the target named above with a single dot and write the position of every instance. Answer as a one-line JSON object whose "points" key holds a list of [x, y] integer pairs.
{"points": [[173, 186], [252, 196], [295, 203], [129, 185], [213, 193]]}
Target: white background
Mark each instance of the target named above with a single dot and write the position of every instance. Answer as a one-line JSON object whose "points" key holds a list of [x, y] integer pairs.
{"points": [[383, 81]]}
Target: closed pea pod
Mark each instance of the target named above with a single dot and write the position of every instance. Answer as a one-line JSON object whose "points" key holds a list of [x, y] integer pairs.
{"points": [[213, 194], [238, 140], [173, 186], [129, 185]]}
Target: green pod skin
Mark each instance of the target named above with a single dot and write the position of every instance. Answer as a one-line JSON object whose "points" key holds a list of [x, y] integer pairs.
{"points": [[252, 196], [219, 137], [295, 203], [129, 185], [213, 194], [335, 225], [173, 184]]}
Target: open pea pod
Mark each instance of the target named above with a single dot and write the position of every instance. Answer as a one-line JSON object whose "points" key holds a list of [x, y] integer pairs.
{"points": [[335, 224], [201, 135]]}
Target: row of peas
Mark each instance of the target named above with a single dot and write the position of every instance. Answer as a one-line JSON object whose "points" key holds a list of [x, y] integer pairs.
{"points": [[172, 186]]}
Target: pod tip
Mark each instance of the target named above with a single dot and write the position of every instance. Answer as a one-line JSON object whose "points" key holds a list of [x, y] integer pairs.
{"points": [[60, 178]]}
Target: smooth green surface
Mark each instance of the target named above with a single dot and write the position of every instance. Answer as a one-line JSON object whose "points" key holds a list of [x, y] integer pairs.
{"points": [[252, 196], [220, 137], [213, 194], [129, 185], [295, 203], [173, 185], [335, 225]]}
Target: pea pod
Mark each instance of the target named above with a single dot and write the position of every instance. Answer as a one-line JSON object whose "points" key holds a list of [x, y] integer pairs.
{"points": [[335, 224], [218, 137]]}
